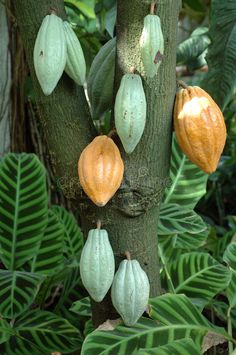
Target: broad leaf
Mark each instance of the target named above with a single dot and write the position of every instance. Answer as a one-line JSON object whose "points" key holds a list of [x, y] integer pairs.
{"points": [[50, 254], [180, 319], [23, 208], [193, 47], [17, 292], [41, 332], [178, 347], [220, 80], [198, 275], [190, 241], [188, 182], [231, 290], [73, 238], [86, 7], [230, 255], [174, 219], [82, 307]]}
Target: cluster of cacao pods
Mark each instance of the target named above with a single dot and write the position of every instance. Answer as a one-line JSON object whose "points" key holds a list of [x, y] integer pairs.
{"points": [[200, 127], [56, 49], [130, 285]]}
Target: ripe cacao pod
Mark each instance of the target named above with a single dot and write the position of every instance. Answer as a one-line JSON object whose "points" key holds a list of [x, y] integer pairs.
{"points": [[101, 170], [199, 127], [101, 79], [50, 53], [75, 62], [97, 264], [130, 291], [151, 45], [130, 111]]}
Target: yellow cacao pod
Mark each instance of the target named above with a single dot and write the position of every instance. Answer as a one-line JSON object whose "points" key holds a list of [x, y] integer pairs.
{"points": [[199, 127], [101, 170]]}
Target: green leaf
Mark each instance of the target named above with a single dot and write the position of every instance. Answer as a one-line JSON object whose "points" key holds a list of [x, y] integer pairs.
{"points": [[198, 275], [23, 208], [188, 182], [230, 255], [73, 238], [190, 241], [220, 81], [195, 5], [178, 347], [5, 331], [174, 219], [50, 254], [179, 319], [17, 292], [82, 307], [110, 20], [193, 47], [231, 290], [41, 332], [86, 7]]}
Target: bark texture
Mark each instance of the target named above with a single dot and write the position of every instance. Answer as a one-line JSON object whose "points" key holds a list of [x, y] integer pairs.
{"points": [[131, 217]]}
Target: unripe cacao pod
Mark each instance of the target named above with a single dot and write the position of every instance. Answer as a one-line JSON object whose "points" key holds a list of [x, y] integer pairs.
{"points": [[199, 127], [130, 111], [75, 62], [97, 264], [151, 45], [50, 53], [101, 170], [101, 79], [130, 291]]}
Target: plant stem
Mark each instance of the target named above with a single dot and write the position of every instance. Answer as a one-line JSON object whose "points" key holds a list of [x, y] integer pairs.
{"points": [[170, 283], [229, 326]]}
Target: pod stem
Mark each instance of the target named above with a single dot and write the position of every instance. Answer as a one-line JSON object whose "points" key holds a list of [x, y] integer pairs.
{"points": [[111, 133], [152, 7], [127, 254], [182, 84], [52, 11], [132, 70], [99, 224]]}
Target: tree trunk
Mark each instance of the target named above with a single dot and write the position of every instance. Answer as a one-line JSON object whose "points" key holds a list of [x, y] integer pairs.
{"points": [[131, 217], [5, 83]]}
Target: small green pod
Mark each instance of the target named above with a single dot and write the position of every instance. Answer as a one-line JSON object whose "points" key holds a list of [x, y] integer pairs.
{"points": [[151, 45], [75, 62], [130, 111], [50, 53], [97, 264], [130, 291], [101, 79]]}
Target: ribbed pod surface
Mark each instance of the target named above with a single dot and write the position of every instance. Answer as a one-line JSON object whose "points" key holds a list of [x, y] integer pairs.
{"points": [[101, 79], [130, 111], [130, 291], [101, 170], [151, 45], [75, 62], [97, 264], [200, 127], [50, 53]]}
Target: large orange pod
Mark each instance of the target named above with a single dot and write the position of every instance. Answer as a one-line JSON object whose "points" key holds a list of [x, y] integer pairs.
{"points": [[199, 127], [101, 170]]}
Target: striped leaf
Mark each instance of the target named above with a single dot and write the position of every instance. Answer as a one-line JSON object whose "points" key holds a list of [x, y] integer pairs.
{"points": [[190, 241], [198, 275], [41, 332], [50, 254], [17, 291], [5, 331], [188, 182], [178, 347], [177, 323], [73, 238], [230, 255], [23, 208], [176, 220], [82, 307], [231, 290]]}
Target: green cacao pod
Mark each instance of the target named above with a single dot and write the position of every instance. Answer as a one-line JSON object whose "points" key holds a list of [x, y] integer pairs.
{"points": [[151, 45], [130, 291], [50, 53], [97, 264], [75, 62], [130, 111], [101, 79]]}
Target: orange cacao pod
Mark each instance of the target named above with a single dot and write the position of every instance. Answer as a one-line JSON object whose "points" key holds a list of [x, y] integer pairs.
{"points": [[101, 170], [199, 127]]}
